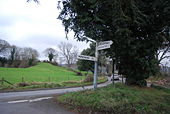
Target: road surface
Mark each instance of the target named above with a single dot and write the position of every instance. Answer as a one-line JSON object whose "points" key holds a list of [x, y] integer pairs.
{"points": [[10, 95], [48, 106]]}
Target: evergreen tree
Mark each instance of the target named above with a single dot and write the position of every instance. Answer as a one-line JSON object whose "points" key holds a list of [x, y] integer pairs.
{"points": [[85, 65], [137, 28]]}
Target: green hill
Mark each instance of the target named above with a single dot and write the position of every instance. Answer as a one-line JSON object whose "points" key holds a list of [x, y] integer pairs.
{"points": [[43, 72]]}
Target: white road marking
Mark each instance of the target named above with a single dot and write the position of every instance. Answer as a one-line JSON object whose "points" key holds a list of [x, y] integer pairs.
{"points": [[39, 99], [31, 100], [19, 101]]}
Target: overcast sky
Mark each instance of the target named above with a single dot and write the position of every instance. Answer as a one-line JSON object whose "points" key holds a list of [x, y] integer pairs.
{"points": [[30, 25]]}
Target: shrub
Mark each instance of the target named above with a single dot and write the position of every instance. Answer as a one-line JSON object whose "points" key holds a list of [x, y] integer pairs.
{"points": [[89, 78], [23, 64], [23, 84], [79, 74], [15, 63]]}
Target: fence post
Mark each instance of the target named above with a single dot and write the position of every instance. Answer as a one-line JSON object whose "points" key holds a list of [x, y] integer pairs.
{"points": [[49, 78], [68, 78], [2, 80], [22, 79]]}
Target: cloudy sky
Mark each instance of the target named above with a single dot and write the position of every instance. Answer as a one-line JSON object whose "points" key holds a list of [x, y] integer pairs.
{"points": [[30, 25]]}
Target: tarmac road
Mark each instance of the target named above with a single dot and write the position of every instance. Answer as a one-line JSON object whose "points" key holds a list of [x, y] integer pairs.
{"points": [[48, 106], [10, 95]]}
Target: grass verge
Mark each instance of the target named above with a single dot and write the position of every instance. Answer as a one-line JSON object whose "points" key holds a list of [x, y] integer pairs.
{"points": [[119, 99], [42, 85]]}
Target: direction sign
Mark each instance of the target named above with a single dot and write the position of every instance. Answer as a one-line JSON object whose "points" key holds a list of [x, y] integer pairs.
{"points": [[100, 47], [105, 43], [84, 57]]}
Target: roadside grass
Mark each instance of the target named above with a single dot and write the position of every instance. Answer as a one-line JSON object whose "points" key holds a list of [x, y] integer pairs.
{"points": [[41, 85], [118, 99], [43, 72]]}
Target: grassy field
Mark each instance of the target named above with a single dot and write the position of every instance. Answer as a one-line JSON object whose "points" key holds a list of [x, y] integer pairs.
{"points": [[43, 75], [42, 85], [119, 99], [43, 72]]}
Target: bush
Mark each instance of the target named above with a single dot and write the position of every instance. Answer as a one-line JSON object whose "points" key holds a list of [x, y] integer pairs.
{"points": [[23, 84], [79, 74], [54, 63], [89, 78], [23, 64], [3, 60], [15, 64]]}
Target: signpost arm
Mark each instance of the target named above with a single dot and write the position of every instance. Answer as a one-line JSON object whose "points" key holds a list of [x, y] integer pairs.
{"points": [[95, 68]]}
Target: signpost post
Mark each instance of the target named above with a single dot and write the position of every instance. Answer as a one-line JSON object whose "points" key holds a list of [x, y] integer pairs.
{"points": [[99, 46], [95, 69]]}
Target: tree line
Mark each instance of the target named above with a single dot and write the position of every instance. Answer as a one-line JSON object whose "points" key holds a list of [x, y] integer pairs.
{"points": [[14, 56]]}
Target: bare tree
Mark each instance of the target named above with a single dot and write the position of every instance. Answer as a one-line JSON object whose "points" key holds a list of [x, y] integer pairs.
{"points": [[23, 54], [51, 53], [28, 53], [32, 55], [164, 51], [4, 45], [74, 55], [163, 54], [68, 52]]}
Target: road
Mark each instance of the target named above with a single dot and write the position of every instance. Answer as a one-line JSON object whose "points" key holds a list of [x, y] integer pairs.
{"points": [[36, 102], [10, 95], [48, 106]]}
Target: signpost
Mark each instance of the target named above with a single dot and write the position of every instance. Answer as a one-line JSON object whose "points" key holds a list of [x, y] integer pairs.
{"points": [[104, 45], [99, 46], [84, 57]]}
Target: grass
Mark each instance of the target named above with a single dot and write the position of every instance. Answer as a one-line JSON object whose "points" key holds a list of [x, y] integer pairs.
{"points": [[40, 85], [119, 99], [43, 75], [43, 72]]}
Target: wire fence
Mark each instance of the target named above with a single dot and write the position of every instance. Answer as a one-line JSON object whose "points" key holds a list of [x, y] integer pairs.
{"points": [[3, 81], [49, 79]]}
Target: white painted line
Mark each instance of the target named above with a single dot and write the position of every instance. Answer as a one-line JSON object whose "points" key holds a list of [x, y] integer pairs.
{"points": [[19, 101], [40, 99], [31, 100]]}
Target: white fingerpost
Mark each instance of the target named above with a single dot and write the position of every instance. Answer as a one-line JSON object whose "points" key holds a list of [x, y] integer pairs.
{"points": [[100, 46], [85, 57]]}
